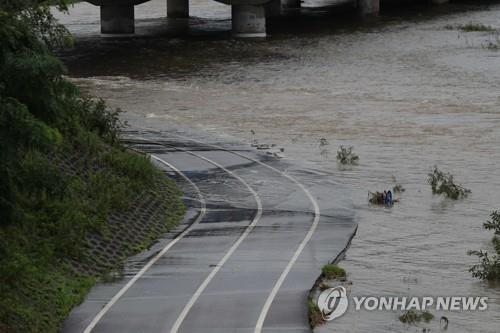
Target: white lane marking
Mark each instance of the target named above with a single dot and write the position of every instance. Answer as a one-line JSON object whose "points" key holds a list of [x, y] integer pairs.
{"points": [[277, 286], [126, 287], [231, 250], [312, 229]]}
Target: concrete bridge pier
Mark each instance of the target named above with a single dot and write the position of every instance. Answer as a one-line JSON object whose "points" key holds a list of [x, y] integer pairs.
{"points": [[368, 7], [248, 20], [178, 8], [117, 19]]}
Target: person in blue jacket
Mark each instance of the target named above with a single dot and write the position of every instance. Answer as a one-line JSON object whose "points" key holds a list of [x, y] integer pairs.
{"points": [[388, 198]]}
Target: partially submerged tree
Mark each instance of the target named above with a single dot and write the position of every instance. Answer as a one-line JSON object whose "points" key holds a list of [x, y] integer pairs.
{"points": [[488, 267], [494, 224], [444, 183], [346, 156]]}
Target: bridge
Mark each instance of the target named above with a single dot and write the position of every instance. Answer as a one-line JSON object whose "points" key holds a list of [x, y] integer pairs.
{"points": [[248, 16]]}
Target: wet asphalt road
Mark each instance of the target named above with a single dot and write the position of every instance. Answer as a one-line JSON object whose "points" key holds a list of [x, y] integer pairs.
{"points": [[253, 241]]}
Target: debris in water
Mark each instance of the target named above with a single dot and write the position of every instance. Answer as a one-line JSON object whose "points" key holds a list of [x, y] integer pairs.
{"points": [[263, 146], [273, 149], [277, 154], [381, 198], [255, 142]]}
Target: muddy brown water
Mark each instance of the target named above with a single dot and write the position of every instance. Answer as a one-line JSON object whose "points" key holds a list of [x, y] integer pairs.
{"points": [[404, 90]]}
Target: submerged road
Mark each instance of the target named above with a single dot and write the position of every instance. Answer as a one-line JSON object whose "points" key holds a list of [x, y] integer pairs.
{"points": [[253, 241]]}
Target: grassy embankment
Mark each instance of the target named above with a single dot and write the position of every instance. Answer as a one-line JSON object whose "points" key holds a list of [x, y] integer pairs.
{"points": [[73, 202]]}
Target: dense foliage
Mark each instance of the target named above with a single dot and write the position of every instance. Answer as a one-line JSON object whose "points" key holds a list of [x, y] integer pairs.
{"points": [[494, 224], [488, 267], [62, 173], [35, 101]]}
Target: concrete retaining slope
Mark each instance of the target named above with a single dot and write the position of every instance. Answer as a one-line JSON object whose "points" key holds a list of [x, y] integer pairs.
{"points": [[253, 242]]}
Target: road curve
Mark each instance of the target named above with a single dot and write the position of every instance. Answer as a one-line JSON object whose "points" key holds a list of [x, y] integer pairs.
{"points": [[214, 271], [267, 305], [279, 282], [227, 273]]}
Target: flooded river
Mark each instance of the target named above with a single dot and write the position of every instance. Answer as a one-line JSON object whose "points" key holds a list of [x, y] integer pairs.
{"points": [[406, 91]]}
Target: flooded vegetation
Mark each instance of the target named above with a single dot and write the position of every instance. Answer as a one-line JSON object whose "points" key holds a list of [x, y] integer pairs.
{"points": [[331, 277], [332, 271], [489, 266], [412, 317], [471, 27], [405, 91], [444, 183], [345, 155]]}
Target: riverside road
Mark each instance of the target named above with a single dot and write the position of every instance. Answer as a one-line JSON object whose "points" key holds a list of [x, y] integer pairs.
{"points": [[256, 234]]}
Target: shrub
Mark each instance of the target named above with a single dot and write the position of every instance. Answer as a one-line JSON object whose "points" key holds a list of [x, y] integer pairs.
{"points": [[413, 316], [494, 224], [315, 317], [488, 267], [332, 271], [444, 183], [346, 156], [470, 27], [409, 317], [474, 27], [137, 167], [95, 116]]}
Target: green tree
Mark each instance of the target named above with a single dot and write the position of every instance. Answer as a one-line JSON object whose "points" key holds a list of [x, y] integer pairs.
{"points": [[62, 174]]}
